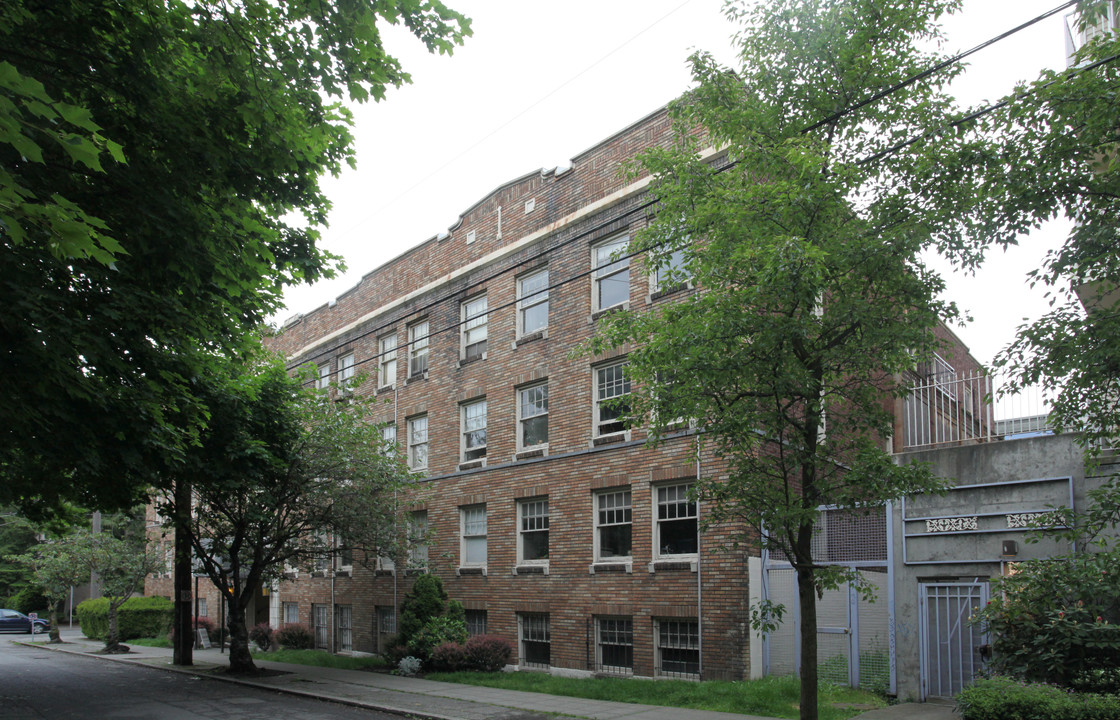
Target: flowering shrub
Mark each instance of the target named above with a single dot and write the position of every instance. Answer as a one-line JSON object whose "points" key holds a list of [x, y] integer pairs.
{"points": [[261, 635], [408, 666], [1001, 698], [448, 657], [295, 637], [1057, 620], [487, 653]]}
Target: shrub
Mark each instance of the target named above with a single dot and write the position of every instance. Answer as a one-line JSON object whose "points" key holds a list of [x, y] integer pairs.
{"points": [[394, 652], [295, 637], [408, 666], [487, 653], [200, 622], [448, 657], [1057, 620], [436, 631], [424, 601], [261, 635], [137, 617], [29, 600], [1001, 698]]}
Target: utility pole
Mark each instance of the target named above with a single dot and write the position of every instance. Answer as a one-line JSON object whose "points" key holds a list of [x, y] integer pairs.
{"points": [[183, 653]]}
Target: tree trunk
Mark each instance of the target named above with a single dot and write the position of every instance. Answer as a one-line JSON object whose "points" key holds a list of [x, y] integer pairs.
{"points": [[112, 640], [183, 653], [807, 601], [240, 661], [54, 634]]}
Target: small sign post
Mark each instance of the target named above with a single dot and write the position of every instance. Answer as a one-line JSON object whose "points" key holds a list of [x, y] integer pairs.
{"points": [[202, 638]]}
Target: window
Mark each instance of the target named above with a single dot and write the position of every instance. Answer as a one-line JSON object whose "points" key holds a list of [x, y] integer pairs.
{"points": [[532, 303], [613, 525], [672, 273], [389, 437], [344, 627], [610, 280], [474, 430], [418, 442], [321, 623], [387, 361], [474, 328], [532, 416], [610, 383], [418, 539], [418, 349], [344, 555], [535, 640], [291, 613], [385, 563], [532, 537], [202, 609], [614, 644], [476, 622], [387, 619], [473, 518], [345, 368], [677, 648], [676, 521], [323, 381]]}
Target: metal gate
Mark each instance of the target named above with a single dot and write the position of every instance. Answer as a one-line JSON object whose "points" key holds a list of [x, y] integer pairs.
{"points": [[345, 630], [950, 641], [321, 620]]}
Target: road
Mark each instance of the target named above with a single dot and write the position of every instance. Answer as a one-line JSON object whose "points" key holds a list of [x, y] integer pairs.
{"points": [[37, 683]]}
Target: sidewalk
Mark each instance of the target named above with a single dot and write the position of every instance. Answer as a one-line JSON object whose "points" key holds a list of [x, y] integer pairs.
{"points": [[432, 700]]}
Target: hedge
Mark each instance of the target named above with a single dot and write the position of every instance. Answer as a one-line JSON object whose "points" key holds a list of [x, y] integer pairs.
{"points": [[137, 617], [1002, 698]]}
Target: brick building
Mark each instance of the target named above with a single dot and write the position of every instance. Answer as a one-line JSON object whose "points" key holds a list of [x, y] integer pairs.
{"points": [[556, 527]]}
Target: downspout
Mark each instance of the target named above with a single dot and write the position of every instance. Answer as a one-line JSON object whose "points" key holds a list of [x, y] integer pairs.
{"points": [[395, 572], [334, 648], [699, 585]]}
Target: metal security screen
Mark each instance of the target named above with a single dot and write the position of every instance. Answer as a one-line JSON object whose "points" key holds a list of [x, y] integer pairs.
{"points": [[950, 642], [344, 616]]}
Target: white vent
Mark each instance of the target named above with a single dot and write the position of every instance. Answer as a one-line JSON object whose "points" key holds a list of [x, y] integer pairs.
{"points": [[470, 237], [530, 204]]}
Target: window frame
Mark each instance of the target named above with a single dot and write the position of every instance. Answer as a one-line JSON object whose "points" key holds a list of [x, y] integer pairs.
{"points": [[346, 369], [597, 400], [607, 624], [479, 322], [465, 538], [675, 264], [531, 300], [294, 607], [419, 348], [418, 540], [323, 379], [477, 622], [679, 487], [386, 361], [412, 445], [598, 510], [600, 268], [542, 521], [659, 648], [466, 432], [540, 625], [522, 420], [386, 619]]}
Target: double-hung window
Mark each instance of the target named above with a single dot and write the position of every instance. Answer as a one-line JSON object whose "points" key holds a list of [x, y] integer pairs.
{"points": [[475, 320], [611, 385], [532, 302], [671, 273], [532, 416], [291, 613], [389, 438], [610, 277], [474, 430], [613, 525], [473, 524], [345, 368], [676, 516], [532, 536], [536, 640], [323, 379], [418, 348], [677, 651], [418, 442], [387, 360], [615, 645], [418, 539]]}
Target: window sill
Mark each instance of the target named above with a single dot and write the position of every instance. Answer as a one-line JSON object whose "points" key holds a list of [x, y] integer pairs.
{"points": [[472, 464], [291, 575], [318, 573], [686, 564], [416, 378], [529, 454], [538, 335], [470, 571], [612, 309], [610, 567], [347, 572], [531, 569], [386, 389], [384, 573], [671, 290], [413, 572], [469, 361], [610, 439]]}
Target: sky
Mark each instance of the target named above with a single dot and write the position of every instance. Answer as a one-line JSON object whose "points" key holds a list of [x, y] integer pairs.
{"points": [[541, 81]]}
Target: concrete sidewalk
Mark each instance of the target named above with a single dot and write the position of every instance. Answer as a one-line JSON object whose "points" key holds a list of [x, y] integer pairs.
{"points": [[436, 700]]}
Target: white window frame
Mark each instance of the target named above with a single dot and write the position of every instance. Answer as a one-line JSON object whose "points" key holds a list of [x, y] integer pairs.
{"points": [[522, 418], [418, 436], [389, 437], [346, 369], [203, 609], [323, 380], [419, 348], [472, 421], [532, 518], [294, 608], [598, 400], [387, 360], [674, 265], [535, 628], [473, 527], [606, 270], [672, 497], [475, 328], [679, 638], [529, 299], [418, 539], [617, 515], [617, 630]]}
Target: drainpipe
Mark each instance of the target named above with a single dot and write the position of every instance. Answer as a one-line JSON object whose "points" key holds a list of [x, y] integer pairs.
{"points": [[333, 620], [699, 585], [396, 572]]}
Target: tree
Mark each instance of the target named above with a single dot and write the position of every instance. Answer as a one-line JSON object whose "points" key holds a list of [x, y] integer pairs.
{"points": [[280, 471], [56, 567], [159, 169], [803, 238]]}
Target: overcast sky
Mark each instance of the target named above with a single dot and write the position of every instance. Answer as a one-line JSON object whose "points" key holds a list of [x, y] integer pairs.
{"points": [[539, 82]]}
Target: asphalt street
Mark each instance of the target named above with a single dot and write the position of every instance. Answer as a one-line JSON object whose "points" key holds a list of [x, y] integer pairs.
{"points": [[37, 683]]}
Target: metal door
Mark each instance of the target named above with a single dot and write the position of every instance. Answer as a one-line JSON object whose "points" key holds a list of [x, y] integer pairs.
{"points": [[950, 640], [321, 619]]}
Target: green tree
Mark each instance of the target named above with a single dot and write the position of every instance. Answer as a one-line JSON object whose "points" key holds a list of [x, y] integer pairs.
{"points": [[159, 187], [803, 237], [280, 470], [56, 567]]}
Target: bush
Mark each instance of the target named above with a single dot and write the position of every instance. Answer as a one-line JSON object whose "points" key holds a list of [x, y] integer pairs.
{"points": [[408, 666], [394, 652], [295, 637], [436, 631], [448, 657], [261, 635], [29, 600], [1002, 698], [137, 617], [1057, 620], [424, 601], [487, 653]]}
